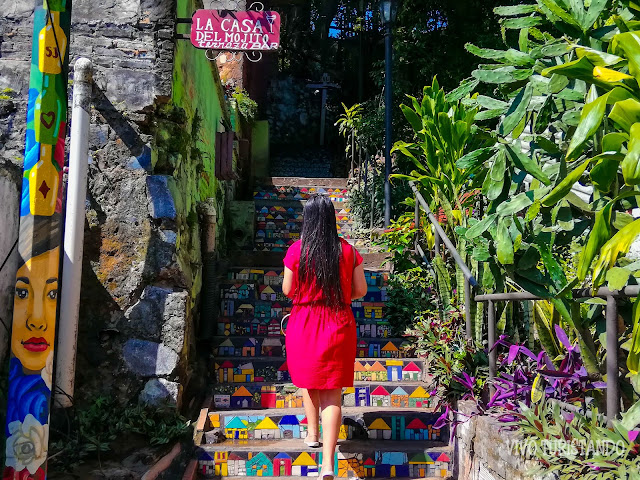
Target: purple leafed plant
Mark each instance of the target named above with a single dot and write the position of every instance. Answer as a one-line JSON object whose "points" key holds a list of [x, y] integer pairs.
{"points": [[527, 374]]}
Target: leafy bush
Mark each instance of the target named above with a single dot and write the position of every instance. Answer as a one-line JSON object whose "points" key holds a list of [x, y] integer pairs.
{"points": [[93, 430], [247, 107], [579, 444]]}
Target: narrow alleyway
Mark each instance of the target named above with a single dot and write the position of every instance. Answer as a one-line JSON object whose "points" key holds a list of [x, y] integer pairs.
{"points": [[388, 414]]}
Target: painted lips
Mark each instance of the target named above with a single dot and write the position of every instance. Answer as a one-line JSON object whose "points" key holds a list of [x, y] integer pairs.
{"points": [[35, 344]]}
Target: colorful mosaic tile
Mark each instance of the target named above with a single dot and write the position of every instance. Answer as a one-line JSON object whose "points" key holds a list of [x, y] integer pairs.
{"points": [[377, 464], [280, 396], [375, 426], [266, 369]]}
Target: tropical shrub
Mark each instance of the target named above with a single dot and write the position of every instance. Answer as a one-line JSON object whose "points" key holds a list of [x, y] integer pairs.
{"points": [[575, 444]]}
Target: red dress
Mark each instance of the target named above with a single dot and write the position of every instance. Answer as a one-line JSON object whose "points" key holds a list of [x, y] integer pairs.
{"points": [[321, 341]]}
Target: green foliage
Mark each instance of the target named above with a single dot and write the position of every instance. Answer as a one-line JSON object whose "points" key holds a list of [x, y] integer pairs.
{"points": [[409, 294], [247, 107], [95, 429], [441, 342], [443, 133], [578, 445]]}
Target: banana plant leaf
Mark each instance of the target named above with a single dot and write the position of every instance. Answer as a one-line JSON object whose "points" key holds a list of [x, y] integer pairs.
{"points": [[627, 45], [526, 164], [517, 110], [633, 360], [618, 244], [625, 113], [631, 163], [564, 187], [504, 243]]}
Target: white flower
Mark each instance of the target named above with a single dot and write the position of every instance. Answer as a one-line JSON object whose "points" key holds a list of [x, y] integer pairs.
{"points": [[47, 372], [27, 445]]}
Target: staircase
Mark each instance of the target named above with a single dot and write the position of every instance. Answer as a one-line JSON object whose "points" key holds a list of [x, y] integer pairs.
{"points": [[253, 422]]}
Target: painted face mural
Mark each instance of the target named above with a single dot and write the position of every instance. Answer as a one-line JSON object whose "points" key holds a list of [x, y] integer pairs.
{"points": [[34, 314], [36, 285]]}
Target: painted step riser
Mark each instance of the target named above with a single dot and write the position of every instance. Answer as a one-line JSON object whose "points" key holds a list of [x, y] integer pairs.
{"points": [[258, 274], [392, 426], [297, 192], [285, 396], [274, 346], [297, 464], [267, 370]]}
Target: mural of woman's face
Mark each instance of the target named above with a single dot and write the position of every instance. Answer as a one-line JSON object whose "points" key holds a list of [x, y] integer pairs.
{"points": [[34, 315]]}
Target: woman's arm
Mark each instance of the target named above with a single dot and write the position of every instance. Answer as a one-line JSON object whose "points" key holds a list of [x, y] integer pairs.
{"points": [[359, 283], [287, 283]]}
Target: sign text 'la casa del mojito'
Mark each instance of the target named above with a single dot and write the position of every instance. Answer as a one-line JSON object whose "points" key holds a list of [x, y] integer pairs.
{"points": [[227, 30]]}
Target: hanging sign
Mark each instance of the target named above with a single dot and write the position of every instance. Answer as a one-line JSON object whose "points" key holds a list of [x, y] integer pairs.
{"points": [[227, 30]]}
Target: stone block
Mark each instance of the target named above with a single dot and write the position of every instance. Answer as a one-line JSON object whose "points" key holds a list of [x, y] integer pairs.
{"points": [[149, 359], [156, 11], [161, 203], [12, 10], [14, 74], [146, 315], [133, 88], [159, 391], [108, 12], [142, 161]]}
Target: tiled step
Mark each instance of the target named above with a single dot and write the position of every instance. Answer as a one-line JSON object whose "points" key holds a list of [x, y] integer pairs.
{"points": [[272, 260], [327, 182], [299, 194], [354, 459], [253, 346], [358, 423], [278, 396], [272, 369]]}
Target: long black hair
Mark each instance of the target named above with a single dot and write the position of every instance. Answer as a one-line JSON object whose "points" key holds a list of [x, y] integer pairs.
{"points": [[321, 250]]}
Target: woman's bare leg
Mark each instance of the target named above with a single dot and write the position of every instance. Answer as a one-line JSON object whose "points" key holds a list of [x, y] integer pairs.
{"points": [[312, 410], [331, 404]]}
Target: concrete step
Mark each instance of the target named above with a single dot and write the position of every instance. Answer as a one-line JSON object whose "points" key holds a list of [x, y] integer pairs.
{"points": [[354, 459]]}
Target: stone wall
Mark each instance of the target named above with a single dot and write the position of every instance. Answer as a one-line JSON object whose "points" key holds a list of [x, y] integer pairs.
{"points": [[156, 107], [9, 199], [484, 449]]}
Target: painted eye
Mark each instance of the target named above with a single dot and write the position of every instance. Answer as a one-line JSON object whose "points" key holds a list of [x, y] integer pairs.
{"points": [[53, 294], [22, 293]]}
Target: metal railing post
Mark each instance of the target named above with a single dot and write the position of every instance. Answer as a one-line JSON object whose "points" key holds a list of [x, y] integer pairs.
{"points": [[491, 330], [373, 196], [613, 397], [467, 307], [416, 224], [66, 350]]}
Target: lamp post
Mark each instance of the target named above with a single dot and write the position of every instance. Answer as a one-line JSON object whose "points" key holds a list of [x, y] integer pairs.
{"points": [[388, 11]]}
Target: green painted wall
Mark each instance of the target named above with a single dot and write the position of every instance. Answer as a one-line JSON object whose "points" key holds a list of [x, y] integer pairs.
{"points": [[185, 146]]}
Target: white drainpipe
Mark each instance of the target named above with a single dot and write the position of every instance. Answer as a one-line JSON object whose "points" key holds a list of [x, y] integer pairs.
{"points": [[66, 348]]}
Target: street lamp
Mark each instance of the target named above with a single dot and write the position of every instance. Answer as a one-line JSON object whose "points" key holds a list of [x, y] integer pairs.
{"points": [[388, 12]]}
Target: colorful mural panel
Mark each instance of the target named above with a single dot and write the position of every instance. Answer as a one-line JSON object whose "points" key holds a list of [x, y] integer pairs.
{"points": [[36, 288]]}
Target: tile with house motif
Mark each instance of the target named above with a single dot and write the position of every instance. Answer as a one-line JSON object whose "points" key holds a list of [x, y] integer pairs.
{"points": [[418, 427], [278, 396], [375, 464], [415, 426]]}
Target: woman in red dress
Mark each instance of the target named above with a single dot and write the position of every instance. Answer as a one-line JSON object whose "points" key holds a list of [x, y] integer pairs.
{"points": [[323, 273]]}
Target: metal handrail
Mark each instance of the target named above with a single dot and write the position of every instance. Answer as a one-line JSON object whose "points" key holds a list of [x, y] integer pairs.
{"points": [[443, 236], [611, 312]]}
